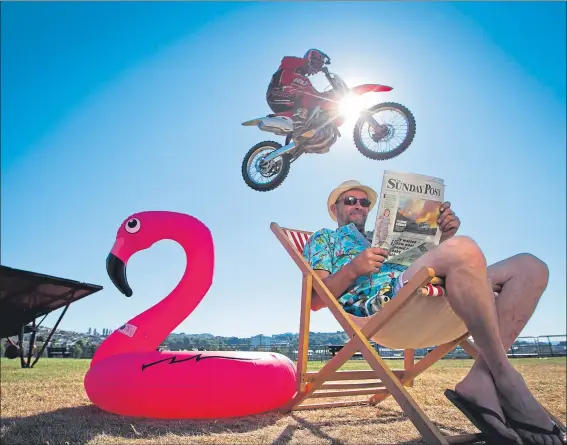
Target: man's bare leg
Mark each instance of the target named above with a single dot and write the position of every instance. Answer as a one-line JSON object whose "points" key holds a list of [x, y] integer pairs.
{"points": [[470, 295], [523, 279]]}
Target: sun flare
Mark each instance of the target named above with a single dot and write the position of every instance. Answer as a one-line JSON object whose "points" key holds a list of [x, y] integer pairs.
{"points": [[351, 106]]}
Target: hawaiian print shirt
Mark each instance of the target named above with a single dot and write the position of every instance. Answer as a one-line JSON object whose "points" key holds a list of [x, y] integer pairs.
{"points": [[331, 249]]}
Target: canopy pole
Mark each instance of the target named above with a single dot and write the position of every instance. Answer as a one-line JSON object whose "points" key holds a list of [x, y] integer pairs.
{"points": [[71, 293]]}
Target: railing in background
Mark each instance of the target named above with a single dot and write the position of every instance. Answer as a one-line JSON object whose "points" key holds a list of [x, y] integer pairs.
{"points": [[542, 346], [538, 347]]}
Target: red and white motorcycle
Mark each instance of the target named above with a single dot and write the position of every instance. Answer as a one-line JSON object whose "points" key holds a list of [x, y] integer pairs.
{"points": [[267, 164]]}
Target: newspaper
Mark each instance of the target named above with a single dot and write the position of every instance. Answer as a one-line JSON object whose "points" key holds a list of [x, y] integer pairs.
{"points": [[408, 209]]}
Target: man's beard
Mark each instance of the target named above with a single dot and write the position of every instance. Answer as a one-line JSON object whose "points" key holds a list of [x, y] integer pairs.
{"points": [[359, 223]]}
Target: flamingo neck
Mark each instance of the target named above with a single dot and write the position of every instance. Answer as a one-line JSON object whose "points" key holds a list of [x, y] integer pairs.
{"points": [[152, 326], [160, 320]]}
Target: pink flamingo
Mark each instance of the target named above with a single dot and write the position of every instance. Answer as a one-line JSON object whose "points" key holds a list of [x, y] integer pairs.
{"points": [[128, 376]]}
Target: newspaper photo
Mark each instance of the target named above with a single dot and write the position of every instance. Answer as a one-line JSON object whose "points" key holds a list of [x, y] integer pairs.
{"points": [[408, 209]]}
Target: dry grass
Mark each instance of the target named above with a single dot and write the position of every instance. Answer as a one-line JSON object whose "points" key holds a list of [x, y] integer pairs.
{"points": [[48, 405]]}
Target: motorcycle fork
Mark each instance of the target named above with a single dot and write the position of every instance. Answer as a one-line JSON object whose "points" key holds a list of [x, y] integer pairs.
{"points": [[291, 145], [378, 128]]}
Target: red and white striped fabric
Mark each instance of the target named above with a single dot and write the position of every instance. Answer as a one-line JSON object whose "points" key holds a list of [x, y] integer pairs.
{"points": [[298, 239], [434, 290]]}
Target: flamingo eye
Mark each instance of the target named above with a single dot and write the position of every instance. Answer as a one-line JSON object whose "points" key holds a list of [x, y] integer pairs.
{"points": [[132, 225]]}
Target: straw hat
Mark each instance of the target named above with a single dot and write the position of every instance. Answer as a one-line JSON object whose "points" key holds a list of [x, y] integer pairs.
{"points": [[349, 185]]}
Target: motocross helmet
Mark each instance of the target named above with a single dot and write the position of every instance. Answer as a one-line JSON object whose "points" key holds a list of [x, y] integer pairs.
{"points": [[316, 60]]}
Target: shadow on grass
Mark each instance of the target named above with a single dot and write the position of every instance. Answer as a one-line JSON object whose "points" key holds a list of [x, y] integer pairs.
{"points": [[81, 424], [387, 417]]}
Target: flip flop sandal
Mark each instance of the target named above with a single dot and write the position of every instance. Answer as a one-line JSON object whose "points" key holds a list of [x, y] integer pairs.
{"points": [[558, 424], [557, 430], [472, 411], [555, 420]]}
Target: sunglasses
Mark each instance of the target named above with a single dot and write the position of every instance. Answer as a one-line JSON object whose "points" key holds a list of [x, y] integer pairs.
{"points": [[351, 200]]}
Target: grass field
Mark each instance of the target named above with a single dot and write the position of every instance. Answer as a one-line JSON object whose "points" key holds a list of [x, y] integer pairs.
{"points": [[48, 405]]}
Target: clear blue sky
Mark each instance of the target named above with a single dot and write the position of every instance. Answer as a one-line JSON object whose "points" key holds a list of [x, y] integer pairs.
{"points": [[112, 108]]}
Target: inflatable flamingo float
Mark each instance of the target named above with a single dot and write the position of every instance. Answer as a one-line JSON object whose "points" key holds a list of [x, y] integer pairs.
{"points": [[129, 377]]}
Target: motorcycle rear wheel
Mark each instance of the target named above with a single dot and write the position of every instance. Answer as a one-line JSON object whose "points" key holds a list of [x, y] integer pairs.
{"points": [[276, 172], [363, 126]]}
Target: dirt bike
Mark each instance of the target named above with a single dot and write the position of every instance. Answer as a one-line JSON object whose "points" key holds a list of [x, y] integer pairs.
{"points": [[272, 160]]}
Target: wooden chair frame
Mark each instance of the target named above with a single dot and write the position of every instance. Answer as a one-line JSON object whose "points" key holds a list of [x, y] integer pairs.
{"points": [[390, 381]]}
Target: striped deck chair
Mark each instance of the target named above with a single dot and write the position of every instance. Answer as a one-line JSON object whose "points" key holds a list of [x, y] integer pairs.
{"points": [[384, 328], [427, 321]]}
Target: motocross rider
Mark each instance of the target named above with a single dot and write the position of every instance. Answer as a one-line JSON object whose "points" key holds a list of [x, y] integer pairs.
{"points": [[290, 88]]}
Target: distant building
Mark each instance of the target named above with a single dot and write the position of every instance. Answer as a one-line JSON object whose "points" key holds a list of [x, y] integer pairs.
{"points": [[260, 340]]}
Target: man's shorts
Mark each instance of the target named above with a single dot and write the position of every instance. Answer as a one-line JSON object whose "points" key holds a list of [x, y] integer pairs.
{"points": [[371, 293], [377, 302]]}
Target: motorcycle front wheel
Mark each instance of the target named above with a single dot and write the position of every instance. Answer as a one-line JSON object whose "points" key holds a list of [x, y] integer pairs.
{"points": [[264, 176], [392, 138]]}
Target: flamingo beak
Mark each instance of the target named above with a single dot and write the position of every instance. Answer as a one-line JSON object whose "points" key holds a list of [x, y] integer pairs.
{"points": [[116, 270]]}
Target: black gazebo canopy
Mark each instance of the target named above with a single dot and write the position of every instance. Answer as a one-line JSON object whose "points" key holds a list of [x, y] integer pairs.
{"points": [[25, 296]]}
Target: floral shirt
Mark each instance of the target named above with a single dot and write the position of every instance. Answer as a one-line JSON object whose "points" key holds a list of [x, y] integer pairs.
{"points": [[331, 249]]}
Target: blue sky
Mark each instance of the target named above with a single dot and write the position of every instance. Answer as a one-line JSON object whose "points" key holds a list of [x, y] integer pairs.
{"points": [[112, 108]]}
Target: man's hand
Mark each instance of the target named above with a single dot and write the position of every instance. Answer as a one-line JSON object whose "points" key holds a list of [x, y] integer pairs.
{"points": [[369, 261], [448, 222]]}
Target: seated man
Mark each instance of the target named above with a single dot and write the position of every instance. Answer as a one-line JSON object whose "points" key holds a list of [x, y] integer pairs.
{"points": [[494, 393]]}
